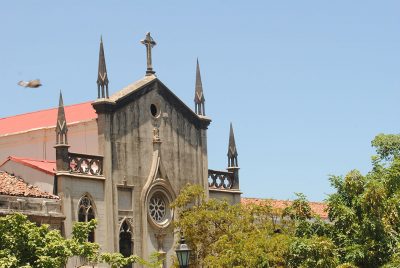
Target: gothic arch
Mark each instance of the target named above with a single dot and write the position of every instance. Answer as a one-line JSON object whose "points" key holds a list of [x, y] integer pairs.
{"points": [[90, 197], [128, 221], [86, 212], [126, 242]]}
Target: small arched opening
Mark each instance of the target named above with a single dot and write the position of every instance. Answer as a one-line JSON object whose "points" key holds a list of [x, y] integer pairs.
{"points": [[126, 241]]}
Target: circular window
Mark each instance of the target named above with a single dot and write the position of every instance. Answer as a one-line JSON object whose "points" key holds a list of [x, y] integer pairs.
{"points": [[154, 110], [157, 208]]}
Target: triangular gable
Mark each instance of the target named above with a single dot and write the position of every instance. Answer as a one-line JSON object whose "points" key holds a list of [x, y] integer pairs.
{"points": [[147, 84]]}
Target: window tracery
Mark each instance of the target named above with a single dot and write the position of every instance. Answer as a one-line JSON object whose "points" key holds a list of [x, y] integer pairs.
{"points": [[86, 213], [158, 211], [157, 208]]}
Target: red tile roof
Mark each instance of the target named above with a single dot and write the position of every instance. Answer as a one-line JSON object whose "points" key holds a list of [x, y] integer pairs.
{"points": [[318, 208], [46, 118], [11, 185], [47, 166]]}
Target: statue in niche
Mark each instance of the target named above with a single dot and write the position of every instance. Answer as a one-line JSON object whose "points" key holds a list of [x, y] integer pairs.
{"points": [[156, 135]]}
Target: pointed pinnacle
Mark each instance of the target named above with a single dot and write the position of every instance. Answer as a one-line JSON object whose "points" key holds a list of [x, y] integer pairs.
{"points": [[60, 102], [199, 96], [61, 113], [61, 126], [102, 78], [232, 151]]}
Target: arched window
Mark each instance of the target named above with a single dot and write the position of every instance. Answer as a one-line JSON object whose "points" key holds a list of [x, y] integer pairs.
{"points": [[86, 213], [125, 241]]}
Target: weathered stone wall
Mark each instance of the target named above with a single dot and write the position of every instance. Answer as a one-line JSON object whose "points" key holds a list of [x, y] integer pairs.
{"points": [[71, 188], [132, 138], [232, 197], [182, 150], [44, 209]]}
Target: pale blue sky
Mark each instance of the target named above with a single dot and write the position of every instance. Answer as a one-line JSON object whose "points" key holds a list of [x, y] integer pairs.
{"points": [[307, 84]]}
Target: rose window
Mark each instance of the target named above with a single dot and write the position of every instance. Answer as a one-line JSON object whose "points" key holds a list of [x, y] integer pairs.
{"points": [[157, 208], [159, 213]]}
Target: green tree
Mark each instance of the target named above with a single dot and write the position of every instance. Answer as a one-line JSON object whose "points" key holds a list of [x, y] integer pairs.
{"points": [[24, 244], [387, 145], [222, 235], [363, 228], [315, 251], [364, 217], [311, 245]]}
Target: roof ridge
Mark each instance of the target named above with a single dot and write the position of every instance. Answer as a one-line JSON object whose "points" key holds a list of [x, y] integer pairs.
{"points": [[285, 200], [27, 162], [48, 109], [32, 159], [133, 86]]}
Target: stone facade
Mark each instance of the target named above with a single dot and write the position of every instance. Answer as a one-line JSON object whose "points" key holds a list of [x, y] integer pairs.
{"points": [[149, 146], [154, 144]]}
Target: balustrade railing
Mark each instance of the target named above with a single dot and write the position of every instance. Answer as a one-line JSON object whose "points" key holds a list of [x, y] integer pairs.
{"points": [[222, 180], [86, 164]]}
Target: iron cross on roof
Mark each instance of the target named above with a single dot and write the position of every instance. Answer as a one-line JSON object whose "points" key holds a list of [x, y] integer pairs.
{"points": [[149, 43]]}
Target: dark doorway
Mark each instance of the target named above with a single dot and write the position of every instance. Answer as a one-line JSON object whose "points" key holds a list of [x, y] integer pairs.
{"points": [[125, 242]]}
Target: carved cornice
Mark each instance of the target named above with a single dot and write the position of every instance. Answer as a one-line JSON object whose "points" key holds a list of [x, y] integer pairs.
{"points": [[108, 106], [103, 106]]}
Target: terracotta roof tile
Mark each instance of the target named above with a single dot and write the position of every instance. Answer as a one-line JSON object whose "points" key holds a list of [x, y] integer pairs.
{"points": [[11, 185], [318, 208], [46, 118]]}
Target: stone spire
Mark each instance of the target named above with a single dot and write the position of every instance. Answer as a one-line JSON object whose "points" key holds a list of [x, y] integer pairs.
{"points": [[62, 160], [102, 78], [149, 43], [61, 128], [232, 151], [198, 95]]}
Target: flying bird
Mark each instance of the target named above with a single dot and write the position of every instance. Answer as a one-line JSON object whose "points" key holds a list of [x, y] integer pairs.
{"points": [[32, 84]]}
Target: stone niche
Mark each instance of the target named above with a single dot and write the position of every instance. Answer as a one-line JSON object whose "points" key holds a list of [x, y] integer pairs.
{"points": [[125, 198]]}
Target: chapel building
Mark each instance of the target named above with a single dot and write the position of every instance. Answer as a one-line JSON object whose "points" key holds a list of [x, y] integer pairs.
{"points": [[121, 159]]}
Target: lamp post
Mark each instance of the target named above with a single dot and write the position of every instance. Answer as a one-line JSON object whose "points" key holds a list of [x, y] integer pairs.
{"points": [[183, 253]]}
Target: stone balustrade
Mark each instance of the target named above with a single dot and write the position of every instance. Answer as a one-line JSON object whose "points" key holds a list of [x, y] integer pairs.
{"points": [[222, 180], [86, 164], [28, 205]]}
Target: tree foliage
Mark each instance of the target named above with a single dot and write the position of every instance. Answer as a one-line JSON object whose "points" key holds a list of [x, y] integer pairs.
{"points": [[364, 223], [222, 235], [314, 251], [363, 229], [387, 145], [24, 244]]}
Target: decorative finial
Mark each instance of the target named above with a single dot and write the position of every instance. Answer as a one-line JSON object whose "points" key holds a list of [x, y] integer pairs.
{"points": [[149, 43], [61, 128], [199, 95], [232, 151], [102, 78]]}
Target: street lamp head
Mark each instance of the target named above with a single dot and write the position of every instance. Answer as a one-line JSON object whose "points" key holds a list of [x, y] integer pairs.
{"points": [[183, 253]]}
